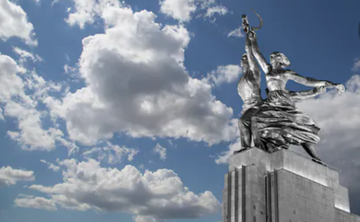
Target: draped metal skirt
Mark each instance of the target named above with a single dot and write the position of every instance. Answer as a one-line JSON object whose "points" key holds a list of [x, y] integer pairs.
{"points": [[279, 123]]}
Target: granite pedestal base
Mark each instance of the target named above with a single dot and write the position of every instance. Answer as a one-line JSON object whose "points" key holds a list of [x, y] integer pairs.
{"points": [[283, 187]]}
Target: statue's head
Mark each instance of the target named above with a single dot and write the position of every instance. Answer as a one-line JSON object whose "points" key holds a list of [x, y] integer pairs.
{"points": [[244, 61], [279, 59]]}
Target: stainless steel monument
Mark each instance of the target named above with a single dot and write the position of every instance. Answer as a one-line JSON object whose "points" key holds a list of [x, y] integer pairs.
{"points": [[275, 123], [267, 182]]}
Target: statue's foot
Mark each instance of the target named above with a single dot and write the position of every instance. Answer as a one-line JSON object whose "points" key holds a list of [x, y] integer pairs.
{"points": [[318, 161], [241, 150], [236, 151]]}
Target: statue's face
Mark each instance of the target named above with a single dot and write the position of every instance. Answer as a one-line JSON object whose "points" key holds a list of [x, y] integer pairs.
{"points": [[244, 61], [277, 58]]}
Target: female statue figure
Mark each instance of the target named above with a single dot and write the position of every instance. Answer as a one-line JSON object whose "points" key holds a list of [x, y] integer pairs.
{"points": [[278, 122]]}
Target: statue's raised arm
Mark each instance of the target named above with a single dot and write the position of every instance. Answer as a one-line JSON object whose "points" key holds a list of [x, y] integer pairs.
{"points": [[265, 66], [249, 54]]}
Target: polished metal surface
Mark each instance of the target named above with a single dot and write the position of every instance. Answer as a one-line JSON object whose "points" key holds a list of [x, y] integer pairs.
{"points": [[275, 123], [248, 89]]}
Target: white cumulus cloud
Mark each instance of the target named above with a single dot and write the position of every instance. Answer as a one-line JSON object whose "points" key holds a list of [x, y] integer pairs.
{"points": [[86, 11], [224, 74], [14, 23], [178, 9], [21, 92], [158, 195], [10, 83], [21, 106], [136, 84], [29, 201], [10, 176], [31, 134]]}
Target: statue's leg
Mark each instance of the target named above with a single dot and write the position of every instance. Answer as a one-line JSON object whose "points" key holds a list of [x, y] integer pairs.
{"points": [[245, 129], [245, 133], [310, 149], [255, 133]]}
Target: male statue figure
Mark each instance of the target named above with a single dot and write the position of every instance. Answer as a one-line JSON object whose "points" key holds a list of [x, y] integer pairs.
{"points": [[248, 89]]}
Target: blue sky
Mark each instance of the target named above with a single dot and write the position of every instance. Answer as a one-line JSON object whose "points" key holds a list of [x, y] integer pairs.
{"points": [[127, 111]]}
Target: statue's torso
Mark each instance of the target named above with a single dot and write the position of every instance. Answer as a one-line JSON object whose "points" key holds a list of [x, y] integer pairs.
{"points": [[276, 80], [249, 88]]}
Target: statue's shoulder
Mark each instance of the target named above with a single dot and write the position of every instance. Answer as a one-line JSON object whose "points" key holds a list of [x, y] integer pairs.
{"points": [[290, 72]]}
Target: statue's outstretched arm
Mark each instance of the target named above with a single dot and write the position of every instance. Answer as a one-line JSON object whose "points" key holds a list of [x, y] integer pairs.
{"points": [[257, 53], [307, 81], [308, 94], [250, 56]]}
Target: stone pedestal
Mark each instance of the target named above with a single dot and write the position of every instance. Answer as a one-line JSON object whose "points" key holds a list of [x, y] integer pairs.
{"points": [[283, 187]]}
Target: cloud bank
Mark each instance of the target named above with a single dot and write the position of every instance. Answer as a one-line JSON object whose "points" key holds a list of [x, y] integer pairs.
{"points": [[157, 196]]}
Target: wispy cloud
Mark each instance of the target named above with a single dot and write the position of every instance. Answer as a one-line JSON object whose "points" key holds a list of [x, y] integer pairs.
{"points": [[186, 10], [356, 65], [111, 153], [51, 165], [161, 151], [236, 33]]}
